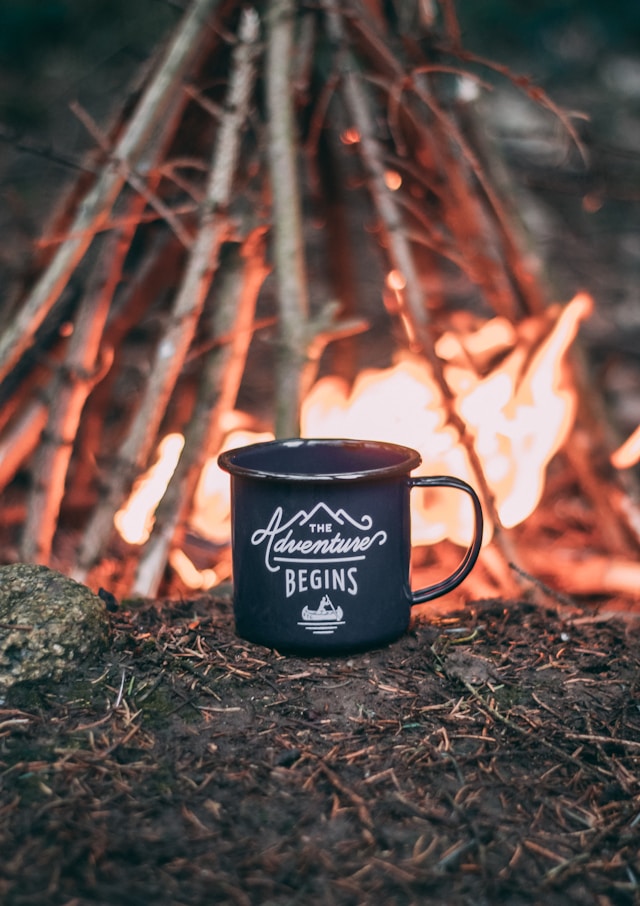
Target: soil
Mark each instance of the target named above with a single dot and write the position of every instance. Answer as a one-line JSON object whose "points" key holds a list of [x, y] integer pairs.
{"points": [[490, 754]]}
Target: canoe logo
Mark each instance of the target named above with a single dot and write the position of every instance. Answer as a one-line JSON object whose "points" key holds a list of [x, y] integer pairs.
{"points": [[324, 620]]}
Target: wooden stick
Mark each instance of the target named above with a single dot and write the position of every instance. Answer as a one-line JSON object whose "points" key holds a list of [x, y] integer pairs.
{"points": [[290, 270], [414, 312], [134, 179], [97, 204], [72, 385], [523, 263], [21, 439], [400, 253], [24, 413], [220, 380], [82, 368], [158, 269], [203, 259], [325, 328], [445, 133], [64, 209]]}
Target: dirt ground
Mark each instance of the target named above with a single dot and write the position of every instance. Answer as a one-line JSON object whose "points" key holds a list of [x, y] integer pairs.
{"points": [[491, 754]]}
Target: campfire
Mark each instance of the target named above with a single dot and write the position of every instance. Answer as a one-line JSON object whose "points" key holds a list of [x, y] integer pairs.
{"points": [[266, 247]]}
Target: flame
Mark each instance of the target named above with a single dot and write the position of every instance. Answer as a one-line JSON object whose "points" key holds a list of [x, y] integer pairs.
{"points": [[211, 516], [628, 454], [522, 412], [350, 136], [401, 404], [511, 390], [511, 387], [190, 574], [396, 280], [134, 520]]}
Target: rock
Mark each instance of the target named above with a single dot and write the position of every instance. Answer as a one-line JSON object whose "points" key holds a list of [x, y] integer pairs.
{"points": [[48, 625]]}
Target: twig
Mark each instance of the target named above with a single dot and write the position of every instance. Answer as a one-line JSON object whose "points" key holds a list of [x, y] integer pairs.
{"points": [[289, 263], [82, 369], [550, 592], [73, 384], [29, 146], [322, 330], [220, 379], [402, 259], [97, 203], [203, 258], [134, 179], [539, 740], [399, 250], [122, 221], [360, 804], [534, 92], [162, 258], [595, 574], [21, 439], [471, 230]]}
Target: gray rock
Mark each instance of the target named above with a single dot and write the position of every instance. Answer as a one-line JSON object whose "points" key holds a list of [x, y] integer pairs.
{"points": [[48, 624]]}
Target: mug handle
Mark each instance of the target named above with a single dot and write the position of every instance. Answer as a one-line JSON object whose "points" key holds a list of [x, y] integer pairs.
{"points": [[441, 588]]}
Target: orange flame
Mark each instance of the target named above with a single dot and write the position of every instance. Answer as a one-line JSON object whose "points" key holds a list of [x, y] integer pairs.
{"points": [[211, 516], [522, 412], [519, 411], [628, 454], [134, 520], [511, 388], [350, 136], [392, 180]]}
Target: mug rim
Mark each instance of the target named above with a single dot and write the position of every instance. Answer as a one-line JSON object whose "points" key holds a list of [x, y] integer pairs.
{"points": [[229, 460]]}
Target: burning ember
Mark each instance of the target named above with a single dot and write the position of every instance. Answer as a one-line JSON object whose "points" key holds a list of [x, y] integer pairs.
{"points": [[511, 389]]}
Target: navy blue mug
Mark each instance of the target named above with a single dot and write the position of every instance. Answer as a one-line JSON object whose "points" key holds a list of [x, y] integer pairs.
{"points": [[321, 543]]}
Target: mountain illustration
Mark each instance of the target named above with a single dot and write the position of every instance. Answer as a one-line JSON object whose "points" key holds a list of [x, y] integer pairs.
{"points": [[339, 516]]}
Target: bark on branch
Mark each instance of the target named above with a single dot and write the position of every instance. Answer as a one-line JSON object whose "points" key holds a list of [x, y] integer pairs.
{"points": [[290, 268], [218, 388], [411, 297], [97, 204], [187, 307]]}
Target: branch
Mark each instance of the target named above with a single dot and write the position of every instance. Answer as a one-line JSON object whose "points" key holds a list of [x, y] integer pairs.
{"points": [[445, 138], [74, 382], [134, 179], [220, 380], [21, 439], [98, 202], [203, 259], [410, 296], [290, 268], [373, 158]]}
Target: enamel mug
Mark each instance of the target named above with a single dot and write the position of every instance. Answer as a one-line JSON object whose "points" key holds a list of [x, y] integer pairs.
{"points": [[321, 542]]}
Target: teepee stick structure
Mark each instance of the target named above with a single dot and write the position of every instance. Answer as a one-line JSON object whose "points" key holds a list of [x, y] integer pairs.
{"points": [[170, 355], [284, 165]]}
